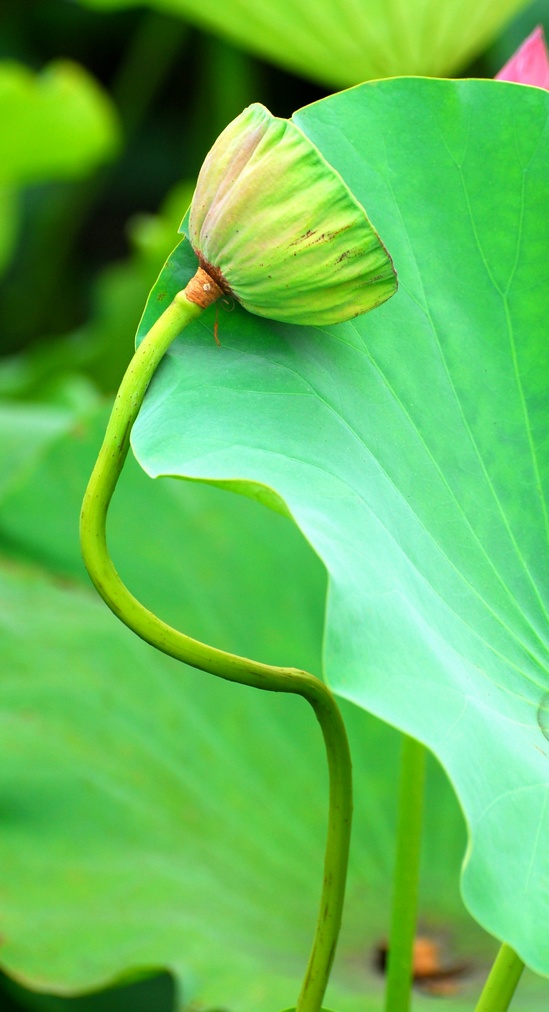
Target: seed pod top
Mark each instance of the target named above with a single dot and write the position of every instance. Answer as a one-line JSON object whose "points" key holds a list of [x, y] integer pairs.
{"points": [[275, 226]]}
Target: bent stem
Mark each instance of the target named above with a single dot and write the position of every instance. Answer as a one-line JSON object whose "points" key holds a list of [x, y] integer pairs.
{"points": [[170, 641], [406, 876], [502, 981]]}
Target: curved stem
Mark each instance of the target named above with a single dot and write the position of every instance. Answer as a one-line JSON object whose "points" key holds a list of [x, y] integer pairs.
{"points": [[406, 876], [225, 665], [502, 981]]}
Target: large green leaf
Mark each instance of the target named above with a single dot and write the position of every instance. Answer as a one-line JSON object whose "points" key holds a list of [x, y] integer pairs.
{"points": [[342, 42], [153, 816], [411, 447]]}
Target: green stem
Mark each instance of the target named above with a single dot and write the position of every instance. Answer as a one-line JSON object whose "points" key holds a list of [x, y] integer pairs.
{"points": [[228, 666], [406, 877], [502, 981]]}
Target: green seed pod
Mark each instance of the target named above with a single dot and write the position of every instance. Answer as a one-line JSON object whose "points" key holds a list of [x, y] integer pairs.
{"points": [[274, 225]]}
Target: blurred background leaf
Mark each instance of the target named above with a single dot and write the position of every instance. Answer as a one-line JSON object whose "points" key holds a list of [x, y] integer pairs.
{"points": [[341, 42], [55, 125], [153, 994]]}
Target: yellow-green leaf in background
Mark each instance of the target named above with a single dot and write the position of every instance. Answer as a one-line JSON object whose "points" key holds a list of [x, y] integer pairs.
{"points": [[58, 124], [343, 42], [54, 125]]}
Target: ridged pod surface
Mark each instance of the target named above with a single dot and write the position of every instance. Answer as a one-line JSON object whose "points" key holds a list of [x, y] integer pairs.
{"points": [[276, 227]]}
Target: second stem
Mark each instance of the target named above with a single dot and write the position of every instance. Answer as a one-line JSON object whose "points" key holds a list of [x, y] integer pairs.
{"points": [[406, 876]]}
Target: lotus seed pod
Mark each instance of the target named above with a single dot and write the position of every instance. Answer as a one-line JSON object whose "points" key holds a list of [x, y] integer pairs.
{"points": [[274, 225]]}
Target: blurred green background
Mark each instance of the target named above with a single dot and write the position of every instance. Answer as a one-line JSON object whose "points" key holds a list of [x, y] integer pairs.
{"points": [[106, 113]]}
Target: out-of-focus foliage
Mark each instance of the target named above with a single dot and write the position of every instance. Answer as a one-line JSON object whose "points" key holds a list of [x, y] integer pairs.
{"points": [[342, 42], [70, 229], [8, 224], [98, 351], [58, 124], [152, 994]]}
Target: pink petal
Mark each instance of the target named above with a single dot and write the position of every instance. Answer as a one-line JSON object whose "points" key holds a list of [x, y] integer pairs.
{"points": [[529, 65]]}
